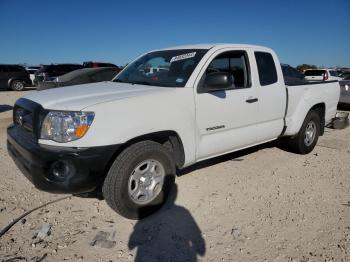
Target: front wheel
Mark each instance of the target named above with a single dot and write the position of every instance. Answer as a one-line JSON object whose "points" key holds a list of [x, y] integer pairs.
{"points": [[17, 85], [139, 180], [307, 137]]}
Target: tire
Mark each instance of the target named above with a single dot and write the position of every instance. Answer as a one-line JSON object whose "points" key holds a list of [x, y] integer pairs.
{"points": [[17, 85], [121, 189], [304, 142]]}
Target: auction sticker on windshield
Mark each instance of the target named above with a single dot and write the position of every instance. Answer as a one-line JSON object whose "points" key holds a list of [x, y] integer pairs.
{"points": [[181, 57]]}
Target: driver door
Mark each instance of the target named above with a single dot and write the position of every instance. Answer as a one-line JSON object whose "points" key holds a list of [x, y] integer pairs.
{"points": [[226, 119]]}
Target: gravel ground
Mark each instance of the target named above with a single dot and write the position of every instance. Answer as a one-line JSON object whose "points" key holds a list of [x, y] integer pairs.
{"points": [[261, 204]]}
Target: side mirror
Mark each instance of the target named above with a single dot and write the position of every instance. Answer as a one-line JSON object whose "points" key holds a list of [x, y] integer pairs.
{"points": [[218, 81]]}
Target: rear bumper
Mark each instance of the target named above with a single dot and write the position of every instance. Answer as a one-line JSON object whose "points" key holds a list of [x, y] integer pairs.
{"points": [[59, 169], [37, 79], [46, 85]]}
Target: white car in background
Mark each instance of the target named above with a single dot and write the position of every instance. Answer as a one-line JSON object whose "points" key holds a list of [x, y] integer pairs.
{"points": [[31, 71], [321, 75]]}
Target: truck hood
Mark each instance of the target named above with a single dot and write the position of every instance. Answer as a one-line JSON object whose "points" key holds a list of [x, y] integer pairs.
{"points": [[76, 98]]}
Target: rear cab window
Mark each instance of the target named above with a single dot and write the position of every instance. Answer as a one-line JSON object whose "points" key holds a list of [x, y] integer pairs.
{"points": [[314, 72], [266, 68]]}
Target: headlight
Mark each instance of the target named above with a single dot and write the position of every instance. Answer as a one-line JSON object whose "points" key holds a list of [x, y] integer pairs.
{"points": [[66, 126], [347, 87]]}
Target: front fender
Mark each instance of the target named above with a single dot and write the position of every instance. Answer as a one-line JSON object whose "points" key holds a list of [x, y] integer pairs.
{"points": [[117, 122], [9, 82]]}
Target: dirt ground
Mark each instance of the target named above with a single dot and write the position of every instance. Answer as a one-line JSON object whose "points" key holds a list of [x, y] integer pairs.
{"points": [[261, 204]]}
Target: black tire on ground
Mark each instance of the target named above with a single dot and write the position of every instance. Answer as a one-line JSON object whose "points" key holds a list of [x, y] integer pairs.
{"points": [[298, 144], [115, 187], [17, 85]]}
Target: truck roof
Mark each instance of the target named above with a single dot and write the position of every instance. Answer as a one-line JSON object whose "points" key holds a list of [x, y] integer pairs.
{"points": [[216, 45]]}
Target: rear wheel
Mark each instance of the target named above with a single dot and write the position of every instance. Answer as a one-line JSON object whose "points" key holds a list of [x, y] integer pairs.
{"points": [[305, 141], [139, 180], [17, 85]]}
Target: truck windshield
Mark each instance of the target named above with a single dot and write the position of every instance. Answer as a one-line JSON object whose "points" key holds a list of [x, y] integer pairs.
{"points": [[169, 68]]}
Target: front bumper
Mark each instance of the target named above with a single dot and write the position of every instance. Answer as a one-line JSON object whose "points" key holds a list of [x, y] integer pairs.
{"points": [[83, 168]]}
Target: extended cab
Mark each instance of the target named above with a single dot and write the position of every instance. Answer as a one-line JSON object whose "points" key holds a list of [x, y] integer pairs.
{"points": [[129, 136]]}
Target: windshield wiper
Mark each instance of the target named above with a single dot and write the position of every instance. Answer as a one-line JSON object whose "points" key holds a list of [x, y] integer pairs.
{"points": [[133, 83], [141, 83]]}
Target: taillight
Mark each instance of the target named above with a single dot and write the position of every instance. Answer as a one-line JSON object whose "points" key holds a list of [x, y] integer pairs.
{"points": [[325, 76]]}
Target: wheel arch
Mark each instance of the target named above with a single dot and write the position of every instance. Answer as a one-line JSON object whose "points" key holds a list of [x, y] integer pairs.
{"points": [[321, 109], [168, 138], [295, 122], [9, 82]]}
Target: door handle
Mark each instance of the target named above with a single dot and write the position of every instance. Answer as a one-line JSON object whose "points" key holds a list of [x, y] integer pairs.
{"points": [[252, 100]]}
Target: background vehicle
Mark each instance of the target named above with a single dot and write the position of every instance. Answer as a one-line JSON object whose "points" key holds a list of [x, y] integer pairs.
{"points": [[345, 90], [345, 75], [31, 71], [50, 72], [14, 77], [292, 76], [91, 64], [342, 71], [321, 75], [81, 76], [130, 135]]}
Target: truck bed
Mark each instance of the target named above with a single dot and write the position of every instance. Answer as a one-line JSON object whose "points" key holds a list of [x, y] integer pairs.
{"points": [[301, 98]]}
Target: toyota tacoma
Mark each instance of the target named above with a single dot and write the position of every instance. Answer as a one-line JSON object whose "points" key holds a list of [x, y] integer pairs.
{"points": [[166, 110]]}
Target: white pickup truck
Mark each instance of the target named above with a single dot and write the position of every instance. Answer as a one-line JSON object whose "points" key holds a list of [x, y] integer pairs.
{"points": [[128, 136]]}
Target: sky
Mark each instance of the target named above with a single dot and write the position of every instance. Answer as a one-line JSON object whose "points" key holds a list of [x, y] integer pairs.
{"points": [[41, 32]]}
